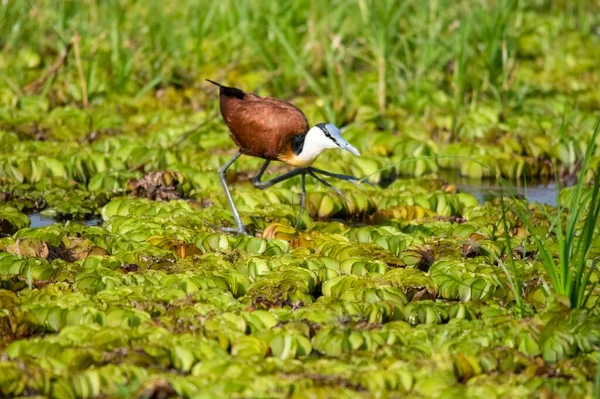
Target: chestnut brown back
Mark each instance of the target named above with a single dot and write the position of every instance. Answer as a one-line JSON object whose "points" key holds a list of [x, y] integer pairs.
{"points": [[262, 126]]}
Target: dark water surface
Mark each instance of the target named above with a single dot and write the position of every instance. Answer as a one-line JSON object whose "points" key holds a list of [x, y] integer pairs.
{"points": [[543, 191], [543, 194], [38, 220]]}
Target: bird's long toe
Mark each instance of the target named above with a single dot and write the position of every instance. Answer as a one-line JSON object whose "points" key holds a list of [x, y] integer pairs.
{"points": [[352, 179], [237, 230]]}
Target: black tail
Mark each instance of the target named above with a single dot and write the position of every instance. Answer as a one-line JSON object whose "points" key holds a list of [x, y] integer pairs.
{"points": [[228, 91], [215, 83]]}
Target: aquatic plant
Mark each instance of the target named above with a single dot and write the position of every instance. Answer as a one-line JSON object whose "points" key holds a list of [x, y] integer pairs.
{"points": [[570, 270]]}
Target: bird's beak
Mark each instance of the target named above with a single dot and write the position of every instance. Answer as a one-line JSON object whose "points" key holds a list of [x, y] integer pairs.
{"points": [[348, 147], [336, 136]]}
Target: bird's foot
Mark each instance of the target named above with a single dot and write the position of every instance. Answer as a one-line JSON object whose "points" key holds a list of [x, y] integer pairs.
{"points": [[352, 179], [359, 183], [240, 230], [300, 212], [326, 184]]}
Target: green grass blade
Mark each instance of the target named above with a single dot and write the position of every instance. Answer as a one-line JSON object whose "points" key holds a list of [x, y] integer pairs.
{"points": [[299, 65], [513, 277], [547, 261]]}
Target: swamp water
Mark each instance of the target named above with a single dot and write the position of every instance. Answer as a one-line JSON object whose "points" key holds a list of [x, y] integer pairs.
{"points": [[541, 191], [38, 220]]}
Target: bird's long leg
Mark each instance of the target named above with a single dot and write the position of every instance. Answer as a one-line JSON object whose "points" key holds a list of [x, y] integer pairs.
{"points": [[325, 183], [256, 179], [303, 193], [262, 185], [351, 179], [266, 184], [302, 199], [223, 177]]}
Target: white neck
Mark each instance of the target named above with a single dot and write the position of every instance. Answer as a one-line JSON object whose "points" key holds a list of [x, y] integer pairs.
{"points": [[314, 144]]}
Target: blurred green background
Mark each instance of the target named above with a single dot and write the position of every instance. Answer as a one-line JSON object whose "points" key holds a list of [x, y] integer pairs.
{"points": [[390, 58]]}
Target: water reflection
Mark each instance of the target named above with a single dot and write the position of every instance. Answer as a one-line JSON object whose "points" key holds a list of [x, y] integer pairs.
{"points": [[538, 190]]}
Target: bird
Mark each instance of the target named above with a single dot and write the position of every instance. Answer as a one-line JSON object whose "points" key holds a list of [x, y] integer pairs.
{"points": [[275, 130]]}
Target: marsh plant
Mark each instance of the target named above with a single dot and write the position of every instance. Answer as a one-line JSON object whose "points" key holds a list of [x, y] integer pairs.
{"points": [[570, 270]]}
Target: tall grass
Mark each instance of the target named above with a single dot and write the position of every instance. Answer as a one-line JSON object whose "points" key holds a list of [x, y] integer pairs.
{"points": [[574, 226], [380, 53], [512, 274]]}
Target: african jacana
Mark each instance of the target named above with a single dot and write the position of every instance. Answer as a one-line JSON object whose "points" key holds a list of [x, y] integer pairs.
{"points": [[275, 130]]}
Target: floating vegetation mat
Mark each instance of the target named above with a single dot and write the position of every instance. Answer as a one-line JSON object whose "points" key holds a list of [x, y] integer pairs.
{"points": [[399, 290], [405, 289]]}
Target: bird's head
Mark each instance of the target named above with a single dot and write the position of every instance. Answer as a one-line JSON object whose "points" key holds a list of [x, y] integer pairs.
{"points": [[326, 135]]}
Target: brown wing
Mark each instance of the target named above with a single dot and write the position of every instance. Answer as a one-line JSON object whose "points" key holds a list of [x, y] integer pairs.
{"points": [[262, 126]]}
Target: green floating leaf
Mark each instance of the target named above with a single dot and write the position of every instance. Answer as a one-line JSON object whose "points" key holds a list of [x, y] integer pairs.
{"points": [[11, 220], [425, 312], [465, 280], [290, 345]]}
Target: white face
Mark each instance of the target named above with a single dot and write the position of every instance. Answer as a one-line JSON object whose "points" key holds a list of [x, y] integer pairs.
{"points": [[321, 137]]}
